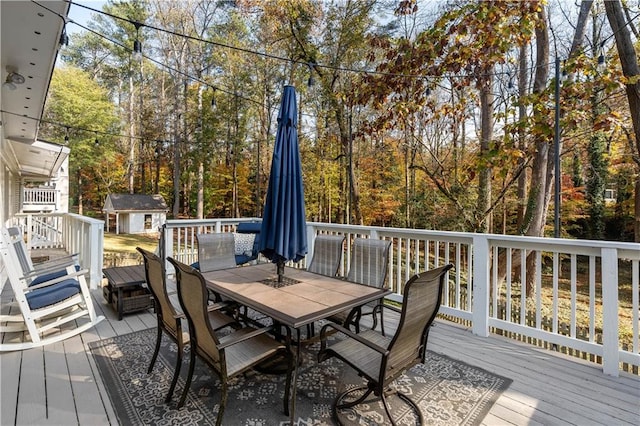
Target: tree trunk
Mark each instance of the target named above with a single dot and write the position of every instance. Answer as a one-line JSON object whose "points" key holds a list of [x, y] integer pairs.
{"points": [[176, 169], [482, 220], [80, 191], [536, 211], [631, 70], [542, 170], [132, 144], [200, 179], [522, 140], [578, 35]]}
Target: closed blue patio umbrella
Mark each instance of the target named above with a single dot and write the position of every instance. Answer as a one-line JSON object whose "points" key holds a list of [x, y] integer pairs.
{"points": [[283, 236]]}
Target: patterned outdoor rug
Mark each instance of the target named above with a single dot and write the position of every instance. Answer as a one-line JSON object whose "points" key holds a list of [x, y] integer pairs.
{"points": [[449, 392]]}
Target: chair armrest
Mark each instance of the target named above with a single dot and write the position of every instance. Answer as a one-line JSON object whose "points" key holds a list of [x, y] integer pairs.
{"points": [[56, 280], [217, 306], [58, 262], [356, 337], [52, 266], [393, 308], [239, 336]]}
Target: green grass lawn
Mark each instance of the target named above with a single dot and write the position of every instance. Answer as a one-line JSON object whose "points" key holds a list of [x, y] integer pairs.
{"points": [[127, 243]]}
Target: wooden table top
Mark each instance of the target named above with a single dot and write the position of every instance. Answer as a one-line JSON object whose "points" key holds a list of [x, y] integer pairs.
{"points": [[312, 298], [120, 276]]}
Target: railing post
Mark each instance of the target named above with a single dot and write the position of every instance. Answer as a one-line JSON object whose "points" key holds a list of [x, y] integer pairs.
{"points": [[311, 236], [29, 230], [96, 232], [480, 285], [610, 334], [167, 248]]}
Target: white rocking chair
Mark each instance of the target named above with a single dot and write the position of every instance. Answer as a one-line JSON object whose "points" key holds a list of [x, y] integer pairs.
{"points": [[41, 271], [50, 310]]}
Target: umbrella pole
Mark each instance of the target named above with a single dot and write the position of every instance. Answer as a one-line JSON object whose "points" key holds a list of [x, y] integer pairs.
{"points": [[280, 270]]}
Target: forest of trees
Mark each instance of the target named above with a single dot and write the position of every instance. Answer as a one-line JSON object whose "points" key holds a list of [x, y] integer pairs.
{"points": [[423, 114]]}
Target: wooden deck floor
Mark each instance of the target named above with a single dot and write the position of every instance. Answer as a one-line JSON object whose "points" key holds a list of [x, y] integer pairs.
{"points": [[60, 385]]}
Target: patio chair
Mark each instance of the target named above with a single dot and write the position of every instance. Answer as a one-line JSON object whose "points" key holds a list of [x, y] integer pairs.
{"points": [[369, 264], [170, 317], [215, 251], [327, 253], [43, 271], [232, 354], [45, 307], [382, 359]]}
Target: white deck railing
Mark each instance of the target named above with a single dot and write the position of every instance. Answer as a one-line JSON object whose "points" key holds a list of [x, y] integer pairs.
{"points": [[71, 232], [583, 294], [39, 196]]}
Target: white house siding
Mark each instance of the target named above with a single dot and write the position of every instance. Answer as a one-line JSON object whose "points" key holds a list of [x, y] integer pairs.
{"points": [[133, 223]]}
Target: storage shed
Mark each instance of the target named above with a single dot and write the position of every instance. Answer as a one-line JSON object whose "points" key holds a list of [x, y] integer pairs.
{"points": [[135, 213]]}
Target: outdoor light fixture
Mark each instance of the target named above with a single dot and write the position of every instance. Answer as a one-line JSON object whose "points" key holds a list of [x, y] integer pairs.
{"points": [[601, 58], [13, 78], [64, 38], [311, 81], [137, 46]]}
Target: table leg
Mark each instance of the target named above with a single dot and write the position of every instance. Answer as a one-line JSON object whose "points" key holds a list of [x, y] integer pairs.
{"points": [[294, 380], [120, 304]]}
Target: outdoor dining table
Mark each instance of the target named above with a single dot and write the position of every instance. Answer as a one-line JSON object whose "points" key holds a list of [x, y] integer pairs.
{"points": [[302, 298]]}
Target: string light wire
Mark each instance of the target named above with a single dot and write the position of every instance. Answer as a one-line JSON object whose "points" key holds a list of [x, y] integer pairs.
{"points": [[430, 78]]}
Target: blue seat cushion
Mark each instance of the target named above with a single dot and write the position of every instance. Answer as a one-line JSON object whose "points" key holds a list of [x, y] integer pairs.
{"points": [[249, 228], [195, 265], [241, 259], [50, 276], [53, 294]]}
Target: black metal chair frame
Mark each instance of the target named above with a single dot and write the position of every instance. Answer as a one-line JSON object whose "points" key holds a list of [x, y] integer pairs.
{"points": [[215, 352], [394, 354], [169, 320]]}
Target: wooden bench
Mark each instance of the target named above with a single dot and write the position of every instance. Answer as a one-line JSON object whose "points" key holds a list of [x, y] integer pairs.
{"points": [[125, 289]]}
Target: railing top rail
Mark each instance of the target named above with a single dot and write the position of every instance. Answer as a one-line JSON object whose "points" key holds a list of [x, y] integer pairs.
{"points": [[85, 219], [178, 223], [562, 245], [558, 244]]}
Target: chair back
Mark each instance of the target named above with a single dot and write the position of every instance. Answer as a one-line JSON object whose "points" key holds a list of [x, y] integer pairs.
{"points": [[10, 251], [420, 306], [216, 251], [20, 248], [369, 262], [327, 254], [193, 297], [156, 282]]}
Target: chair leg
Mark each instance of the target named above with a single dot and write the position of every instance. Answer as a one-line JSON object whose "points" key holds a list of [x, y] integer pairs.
{"points": [[287, 389], [155, 352], [339, 406], [223, 402], [413, 405], [381, 320], [187, 385], [176, 371], [386, 409]]}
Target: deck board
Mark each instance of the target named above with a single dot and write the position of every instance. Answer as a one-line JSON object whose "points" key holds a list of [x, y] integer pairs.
{"points": [[32, 402], [60, 401], [548, 388], [10, 376]]}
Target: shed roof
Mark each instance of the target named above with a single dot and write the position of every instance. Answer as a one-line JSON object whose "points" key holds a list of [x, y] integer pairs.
{"points": [[135, 202]]}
